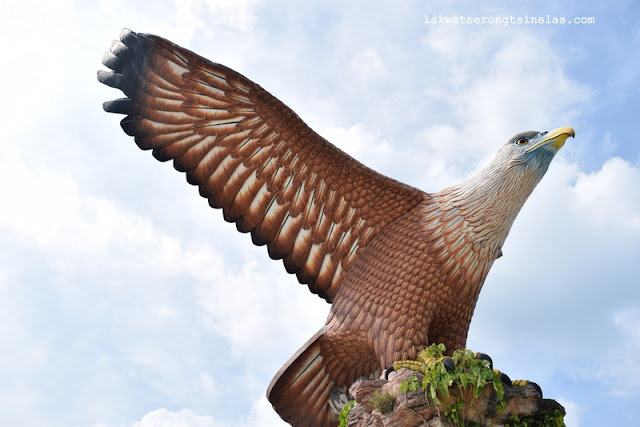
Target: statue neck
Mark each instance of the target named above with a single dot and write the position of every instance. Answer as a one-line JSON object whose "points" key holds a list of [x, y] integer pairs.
{"points": [[490, 200]]}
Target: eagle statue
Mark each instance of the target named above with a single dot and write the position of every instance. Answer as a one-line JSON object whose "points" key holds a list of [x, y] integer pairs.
{"points": [[402, 268]]}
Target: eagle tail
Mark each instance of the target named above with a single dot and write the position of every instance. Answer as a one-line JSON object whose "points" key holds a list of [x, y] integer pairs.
{"points": [[300, 391]]}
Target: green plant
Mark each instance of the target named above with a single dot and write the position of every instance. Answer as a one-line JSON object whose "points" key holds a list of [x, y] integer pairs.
{"points": [[411, 384], [555, 419], [383, 402], [344, 413], [464, 371], [454, 411], [468, 372]]}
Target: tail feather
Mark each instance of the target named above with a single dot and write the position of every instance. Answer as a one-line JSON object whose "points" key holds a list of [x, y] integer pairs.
{"points": [[300, 390]]}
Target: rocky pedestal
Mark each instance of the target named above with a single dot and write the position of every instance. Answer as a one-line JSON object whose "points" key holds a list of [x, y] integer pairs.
{"points": [[380, 403]]}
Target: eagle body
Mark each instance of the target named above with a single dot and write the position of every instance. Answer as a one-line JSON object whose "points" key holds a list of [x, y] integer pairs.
{"points": [[425, 288], [401, 267]]}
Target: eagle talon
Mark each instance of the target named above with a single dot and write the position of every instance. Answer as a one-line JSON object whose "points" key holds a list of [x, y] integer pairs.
{"points": [[422, 363], [505, 378], [388, 371], [448, 363], [483, 356]]}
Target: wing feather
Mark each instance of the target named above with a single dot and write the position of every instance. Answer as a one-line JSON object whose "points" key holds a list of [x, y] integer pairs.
{"points": [[250, 155]]}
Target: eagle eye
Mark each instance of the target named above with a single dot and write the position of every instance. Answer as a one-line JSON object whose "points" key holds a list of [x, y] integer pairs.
{"points": [[521, 141]]}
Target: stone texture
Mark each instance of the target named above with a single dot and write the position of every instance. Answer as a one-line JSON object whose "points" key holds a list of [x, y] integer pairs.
{"points": [[413, 409]]}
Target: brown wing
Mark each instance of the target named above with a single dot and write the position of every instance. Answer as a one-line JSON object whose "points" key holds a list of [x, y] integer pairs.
{"points": [[310, 203]]}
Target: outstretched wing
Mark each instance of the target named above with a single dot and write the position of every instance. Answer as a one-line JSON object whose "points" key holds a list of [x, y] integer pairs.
{"points": [[310, 203]]}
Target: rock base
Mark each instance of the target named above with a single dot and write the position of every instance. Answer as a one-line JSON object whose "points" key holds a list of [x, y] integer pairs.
{"points": [[522, 405]]}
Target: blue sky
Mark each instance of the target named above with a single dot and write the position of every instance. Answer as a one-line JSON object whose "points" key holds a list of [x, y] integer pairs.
{"points": [[126, 301]]}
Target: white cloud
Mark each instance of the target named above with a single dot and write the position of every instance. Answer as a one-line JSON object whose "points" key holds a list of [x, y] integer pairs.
{"points": [[368, 66], [261, 415], [35, 58], [609, 147], [207, 383], [255, 306], [188, 18], [72, 229], [499, 89], [182, 418], [519, 99], [400, 162], [77, 235], [116, 267], [629, 323], [620, 369], [479, 90], [69, 227], [239, 14], [364, 144], [610, 197]]}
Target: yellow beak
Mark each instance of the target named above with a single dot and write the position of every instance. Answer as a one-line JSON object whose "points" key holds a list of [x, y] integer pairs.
{"points": [[554, 138]]}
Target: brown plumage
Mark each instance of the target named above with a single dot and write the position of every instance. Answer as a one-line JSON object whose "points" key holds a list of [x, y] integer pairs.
{"points": [[403, 268]]}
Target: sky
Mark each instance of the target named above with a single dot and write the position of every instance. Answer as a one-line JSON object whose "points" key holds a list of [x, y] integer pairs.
{"points": [[126, 301]]}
